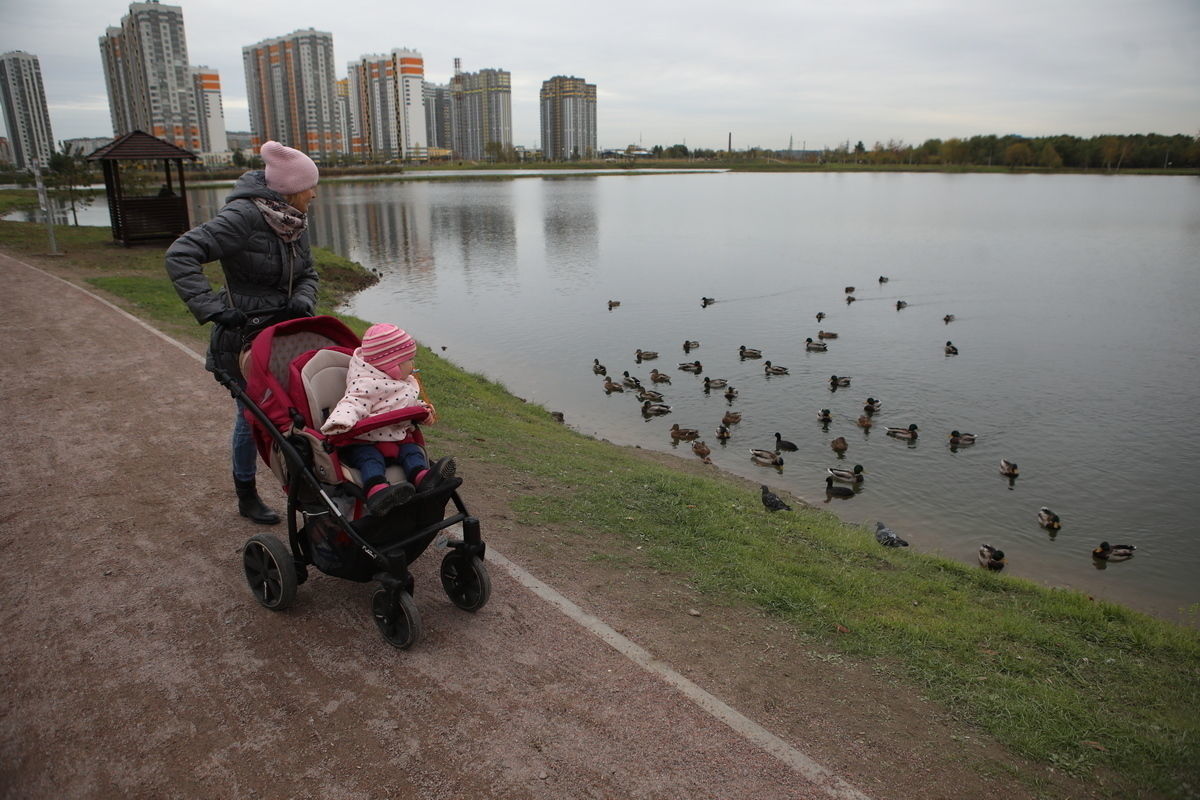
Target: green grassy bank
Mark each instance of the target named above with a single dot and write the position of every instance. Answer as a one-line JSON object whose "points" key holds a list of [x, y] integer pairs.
{"points": [[1089, 688]]}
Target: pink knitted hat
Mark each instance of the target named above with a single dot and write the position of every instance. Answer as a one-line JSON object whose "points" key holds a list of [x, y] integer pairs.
{"points": [[288, 171], [384, 345]]}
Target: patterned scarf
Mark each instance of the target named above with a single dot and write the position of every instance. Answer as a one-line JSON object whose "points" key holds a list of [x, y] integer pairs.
{"points": [[288, 223]]}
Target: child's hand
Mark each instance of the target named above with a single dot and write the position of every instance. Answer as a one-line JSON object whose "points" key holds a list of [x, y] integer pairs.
{"points": [[432, 412], [330, 428]]}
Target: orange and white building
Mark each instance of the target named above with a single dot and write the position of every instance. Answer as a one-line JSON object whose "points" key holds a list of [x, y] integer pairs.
{"points": [[206, 85], [292, 92], [387, 106]]}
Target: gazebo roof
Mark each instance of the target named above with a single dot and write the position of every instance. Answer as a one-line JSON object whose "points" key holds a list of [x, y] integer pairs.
{"points": [[137, 145]]}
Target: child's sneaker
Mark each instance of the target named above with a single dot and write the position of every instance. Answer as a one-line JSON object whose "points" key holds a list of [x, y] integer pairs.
{"points": [[384, 500], [442, 470]]}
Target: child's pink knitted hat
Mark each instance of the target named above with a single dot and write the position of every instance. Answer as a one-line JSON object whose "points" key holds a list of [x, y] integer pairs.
{"points": [[384, 345], [288, 170]]}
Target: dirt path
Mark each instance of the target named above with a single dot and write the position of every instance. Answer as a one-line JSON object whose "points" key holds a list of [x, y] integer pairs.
{"points": [[136, 663]]}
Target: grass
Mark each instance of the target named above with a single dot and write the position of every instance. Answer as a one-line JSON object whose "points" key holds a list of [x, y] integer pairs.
{"points": [[1087, 688]]}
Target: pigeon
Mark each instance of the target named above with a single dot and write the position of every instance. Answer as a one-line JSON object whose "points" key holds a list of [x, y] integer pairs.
{"points": [[887, 537], [772, 501]]}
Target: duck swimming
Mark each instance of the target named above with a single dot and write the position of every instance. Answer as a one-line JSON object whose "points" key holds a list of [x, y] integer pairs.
{"points": [[839, 380], [824, 416], [826, 335], [864, 421], [714, 383], [613, 304], [731, 394], [820, 316], [948, 319], [901, 304], [849, 299], [1048, 519], [749, 352], [612, 386], [883, 279], [766, 458], [599, 368], [951, 350], [659, 377], [630, 381], [837, 491], [645, 355], [702, 450], [689, 345], [772, 369], [839, 445], [705, 302], [723, 433], [731, 418], [847, 475], [691, 366], [961, 439], [815, 347], [991, 558], [653, 409], [1113, 552], [873, 405], [1009, 468], [904, 433], [648, 394], [684, 434], [784, 444]]}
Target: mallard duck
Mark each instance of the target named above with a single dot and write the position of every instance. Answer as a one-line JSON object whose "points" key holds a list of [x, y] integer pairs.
{"points": [[960, 439], [904, 433], [816, 347], [839, 380], [599, 368], [613, 304], [731, 394], [826, 335], [723, 433], [772, 369], [846, 475], [824, 416], [659, 377], [948, 319], [714, 383], [705, 302], [749, 352], [864, 421], [645, 394], [630, 381], [837, 491], [1009, 468], [883, 279], [645, 355], [689, 345], [1048, 519], [1113, 552], [783, 444], [887, 537], [820, 316], [766, 458], [901, 304], [872, 405], [653, 409], [731, 418], [991, 558], [612, 386], [849, 299], [849, 290], [772, 501], [703, 450], [684, 434], [839, 445], [691, 366], [951, 350]]}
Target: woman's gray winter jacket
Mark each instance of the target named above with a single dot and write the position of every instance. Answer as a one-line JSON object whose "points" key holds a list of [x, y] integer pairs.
{"points": [[262, 272]]}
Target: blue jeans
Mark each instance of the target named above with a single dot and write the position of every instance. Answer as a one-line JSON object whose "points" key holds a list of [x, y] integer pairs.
{"points": [[245, 455], [372, 466]]}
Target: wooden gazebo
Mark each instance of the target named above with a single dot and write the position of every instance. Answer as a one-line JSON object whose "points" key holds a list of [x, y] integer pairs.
{"points": [[162, 215]]}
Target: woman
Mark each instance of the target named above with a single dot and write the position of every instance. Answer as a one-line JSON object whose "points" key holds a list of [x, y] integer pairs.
{"points": [[261, 240]]}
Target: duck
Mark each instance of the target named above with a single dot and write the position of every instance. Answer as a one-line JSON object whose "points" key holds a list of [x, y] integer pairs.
{"points": [[650, 408], [703, 450], [991, 558], [599, 368], [612, 386], [839, 380], [1048, 519], [714, 383], [766, 458], [951, 350], [772, 501], [824, 416], [948, 319], [904, 433], [1113, 552], [772, 369], [684, 434], [850, 299], [659, 377], [689, 345], [645, 394], [723, 433], [826, 335], [815, 347], [630, 381], [839, 445], [749, 352], [783, 444], [846, 475], [1009, 468], [613, 304], [872, 405], [883, 279], [849, 290], [901, 304], [705, 302], [887, 537], [731, 394], [960, 439], [691, 366], [837, 491], [731, 418], [820, 316], [645, 355], [864, 421]]}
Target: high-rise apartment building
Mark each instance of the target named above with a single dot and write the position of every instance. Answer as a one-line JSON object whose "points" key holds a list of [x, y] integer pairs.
{"points": [[350, 145], [206, 84], [387, 101], [568, 118], [149, 80], [438, 131], [292, 90], [25, 112], [481, 112]]}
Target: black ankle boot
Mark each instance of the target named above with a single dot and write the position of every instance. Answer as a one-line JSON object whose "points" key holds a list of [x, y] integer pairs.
{"points": [[251, 505]]}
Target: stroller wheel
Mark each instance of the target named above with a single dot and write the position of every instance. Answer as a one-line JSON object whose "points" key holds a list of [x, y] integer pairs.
{"points": [[397, 617], [466, 581], [270, 571]]}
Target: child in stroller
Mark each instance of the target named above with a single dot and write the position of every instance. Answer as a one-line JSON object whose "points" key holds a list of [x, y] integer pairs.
{"points": [[295, 375], [379, 379]]}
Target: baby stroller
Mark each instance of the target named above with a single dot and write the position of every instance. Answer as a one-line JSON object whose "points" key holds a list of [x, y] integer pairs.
{"points": [[295, 373]]}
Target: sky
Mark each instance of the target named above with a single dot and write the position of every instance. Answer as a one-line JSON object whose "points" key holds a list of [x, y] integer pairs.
{"points": [[765, 73]]}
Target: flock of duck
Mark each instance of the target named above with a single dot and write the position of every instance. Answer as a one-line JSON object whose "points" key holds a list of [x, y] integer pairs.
{"points": [[840, 483]]}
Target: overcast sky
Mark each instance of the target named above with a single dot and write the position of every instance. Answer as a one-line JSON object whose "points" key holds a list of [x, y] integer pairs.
{"points": [[695, 72]]}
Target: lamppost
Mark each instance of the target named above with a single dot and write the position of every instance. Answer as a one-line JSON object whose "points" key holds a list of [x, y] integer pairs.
{"points": [[44, 202]]}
